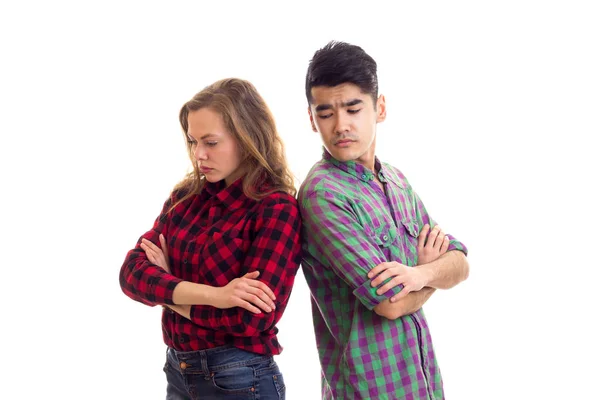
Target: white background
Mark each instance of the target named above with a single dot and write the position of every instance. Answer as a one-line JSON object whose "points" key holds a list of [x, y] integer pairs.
{"points": [[492, 111]]}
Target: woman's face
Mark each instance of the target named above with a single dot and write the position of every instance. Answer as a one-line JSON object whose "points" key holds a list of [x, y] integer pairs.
{"points": [[214, 148]]}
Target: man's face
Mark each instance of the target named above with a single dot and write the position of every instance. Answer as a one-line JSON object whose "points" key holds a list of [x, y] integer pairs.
{"points": [[347, 121]]}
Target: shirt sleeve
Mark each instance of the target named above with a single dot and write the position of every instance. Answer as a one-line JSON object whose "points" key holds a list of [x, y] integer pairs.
{"points": [[336, 239], [275, 252], [139, 278], [423, 218]]}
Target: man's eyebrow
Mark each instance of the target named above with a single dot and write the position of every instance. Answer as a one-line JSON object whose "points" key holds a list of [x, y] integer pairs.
{"points": [[352, 103], [322, 107]]}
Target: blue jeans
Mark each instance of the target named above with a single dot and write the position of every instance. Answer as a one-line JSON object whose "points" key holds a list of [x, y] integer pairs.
{"points": [[222, 373]]}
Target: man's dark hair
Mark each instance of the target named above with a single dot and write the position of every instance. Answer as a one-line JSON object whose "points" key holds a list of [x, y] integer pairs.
{"points": [[340, 62]]}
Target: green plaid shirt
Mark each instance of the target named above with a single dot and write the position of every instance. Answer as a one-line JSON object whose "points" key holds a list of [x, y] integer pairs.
{"points": [[349, 226]]}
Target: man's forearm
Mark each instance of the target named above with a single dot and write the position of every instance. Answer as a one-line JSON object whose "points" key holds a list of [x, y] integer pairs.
{"points": [[406, 305], [447, 271]]}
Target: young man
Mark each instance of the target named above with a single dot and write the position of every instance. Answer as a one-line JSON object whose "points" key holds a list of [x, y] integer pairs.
{"points": [[368, 268]]}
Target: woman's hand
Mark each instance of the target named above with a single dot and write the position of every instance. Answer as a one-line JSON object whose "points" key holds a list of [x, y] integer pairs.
{"points": [[155, 254], [245, 292]]}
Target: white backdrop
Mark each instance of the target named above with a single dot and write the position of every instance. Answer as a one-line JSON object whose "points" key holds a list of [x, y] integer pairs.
{"points": [[492, 111]]}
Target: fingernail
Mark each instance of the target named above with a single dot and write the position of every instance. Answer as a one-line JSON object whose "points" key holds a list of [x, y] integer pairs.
{"points": [[393, 299]]}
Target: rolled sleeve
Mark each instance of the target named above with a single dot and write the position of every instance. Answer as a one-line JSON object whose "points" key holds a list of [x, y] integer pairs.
{"points": [[336, 239], [423, 218], [143, 281]]}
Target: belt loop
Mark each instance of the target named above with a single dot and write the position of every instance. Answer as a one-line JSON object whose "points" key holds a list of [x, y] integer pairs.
{"points": [[204, 363]]}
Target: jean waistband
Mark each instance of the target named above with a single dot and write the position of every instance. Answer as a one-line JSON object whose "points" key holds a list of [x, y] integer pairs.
{"points": [[213, 360]]}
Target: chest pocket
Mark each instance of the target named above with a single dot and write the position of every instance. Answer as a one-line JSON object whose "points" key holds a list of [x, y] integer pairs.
{"points": [[410, 242], [221, 258]]}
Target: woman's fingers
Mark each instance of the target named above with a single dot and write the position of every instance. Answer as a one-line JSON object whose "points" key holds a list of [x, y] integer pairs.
{"points": [[251, 280], [244, 304], [255, 300], [163, 245]]}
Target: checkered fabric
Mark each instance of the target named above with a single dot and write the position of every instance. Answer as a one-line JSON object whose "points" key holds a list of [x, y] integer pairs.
{"points": [[213, 238], [349, 226]]}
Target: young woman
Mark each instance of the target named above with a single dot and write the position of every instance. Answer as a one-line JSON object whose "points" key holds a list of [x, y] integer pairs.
{"points": [[222, 256]]}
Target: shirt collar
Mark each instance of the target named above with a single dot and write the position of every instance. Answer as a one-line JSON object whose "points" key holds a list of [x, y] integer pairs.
{"points": [[355, 169], [232, 196]]}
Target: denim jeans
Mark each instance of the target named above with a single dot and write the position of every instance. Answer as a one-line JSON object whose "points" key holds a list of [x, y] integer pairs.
{"points": [[222, 373]]}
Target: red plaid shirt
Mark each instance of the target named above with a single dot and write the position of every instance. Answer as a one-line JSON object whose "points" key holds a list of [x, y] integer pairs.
{"points": [[213, 238]]}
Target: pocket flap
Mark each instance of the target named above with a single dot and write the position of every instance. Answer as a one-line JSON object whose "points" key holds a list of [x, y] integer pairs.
{"points": [[412, 227]]}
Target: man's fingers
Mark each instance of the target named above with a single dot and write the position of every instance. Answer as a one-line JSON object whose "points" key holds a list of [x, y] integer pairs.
{"points": [[403, 293], [445, 245], [423, 235], [439, 241], [383, 276], [381, 267], [432, 236], [395, 281]]}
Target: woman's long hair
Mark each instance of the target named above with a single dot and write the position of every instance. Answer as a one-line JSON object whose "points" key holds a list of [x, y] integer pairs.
{"points": [[249, 120]]}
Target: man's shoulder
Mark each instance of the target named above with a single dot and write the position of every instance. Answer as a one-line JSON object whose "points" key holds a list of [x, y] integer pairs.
{"points": [[323, 176], [395, 175]]}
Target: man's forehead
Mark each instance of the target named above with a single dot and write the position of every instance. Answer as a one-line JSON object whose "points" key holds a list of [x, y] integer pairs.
{"points": [[337, 95]]}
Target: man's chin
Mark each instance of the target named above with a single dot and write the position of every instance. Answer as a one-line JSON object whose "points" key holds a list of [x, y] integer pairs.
{"points": [[341, 155]]}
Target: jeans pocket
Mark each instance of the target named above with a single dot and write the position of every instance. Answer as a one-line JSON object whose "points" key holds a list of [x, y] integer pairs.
{"points": [[234, 380], [279, 385]]}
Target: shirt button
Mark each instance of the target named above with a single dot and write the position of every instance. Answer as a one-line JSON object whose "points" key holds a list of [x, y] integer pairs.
{"points": [[185, 260], [364, 176], [385, 237]]}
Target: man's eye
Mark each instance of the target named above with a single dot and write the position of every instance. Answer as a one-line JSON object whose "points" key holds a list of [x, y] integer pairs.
{"points": [[324, 116], [354, 111]]}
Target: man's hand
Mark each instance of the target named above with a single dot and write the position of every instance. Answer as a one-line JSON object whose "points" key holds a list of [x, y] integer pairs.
{"points": [[413, 279], [154, 253], [245, 292], [431, 245]]}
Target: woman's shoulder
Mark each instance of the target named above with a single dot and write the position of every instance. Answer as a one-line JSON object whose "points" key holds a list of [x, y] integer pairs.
{"points": [[278, 198]]}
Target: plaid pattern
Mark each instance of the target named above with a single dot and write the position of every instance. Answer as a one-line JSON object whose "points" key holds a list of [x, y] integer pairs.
{"points": [[349, 226], [213, 238]]}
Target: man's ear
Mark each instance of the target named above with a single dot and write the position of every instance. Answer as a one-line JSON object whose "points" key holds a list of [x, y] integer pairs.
{"points": [[381, 109], [312, 120]]}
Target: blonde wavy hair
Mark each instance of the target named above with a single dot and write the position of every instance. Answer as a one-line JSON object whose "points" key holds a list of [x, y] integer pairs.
{"points": [[249, 120]]}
